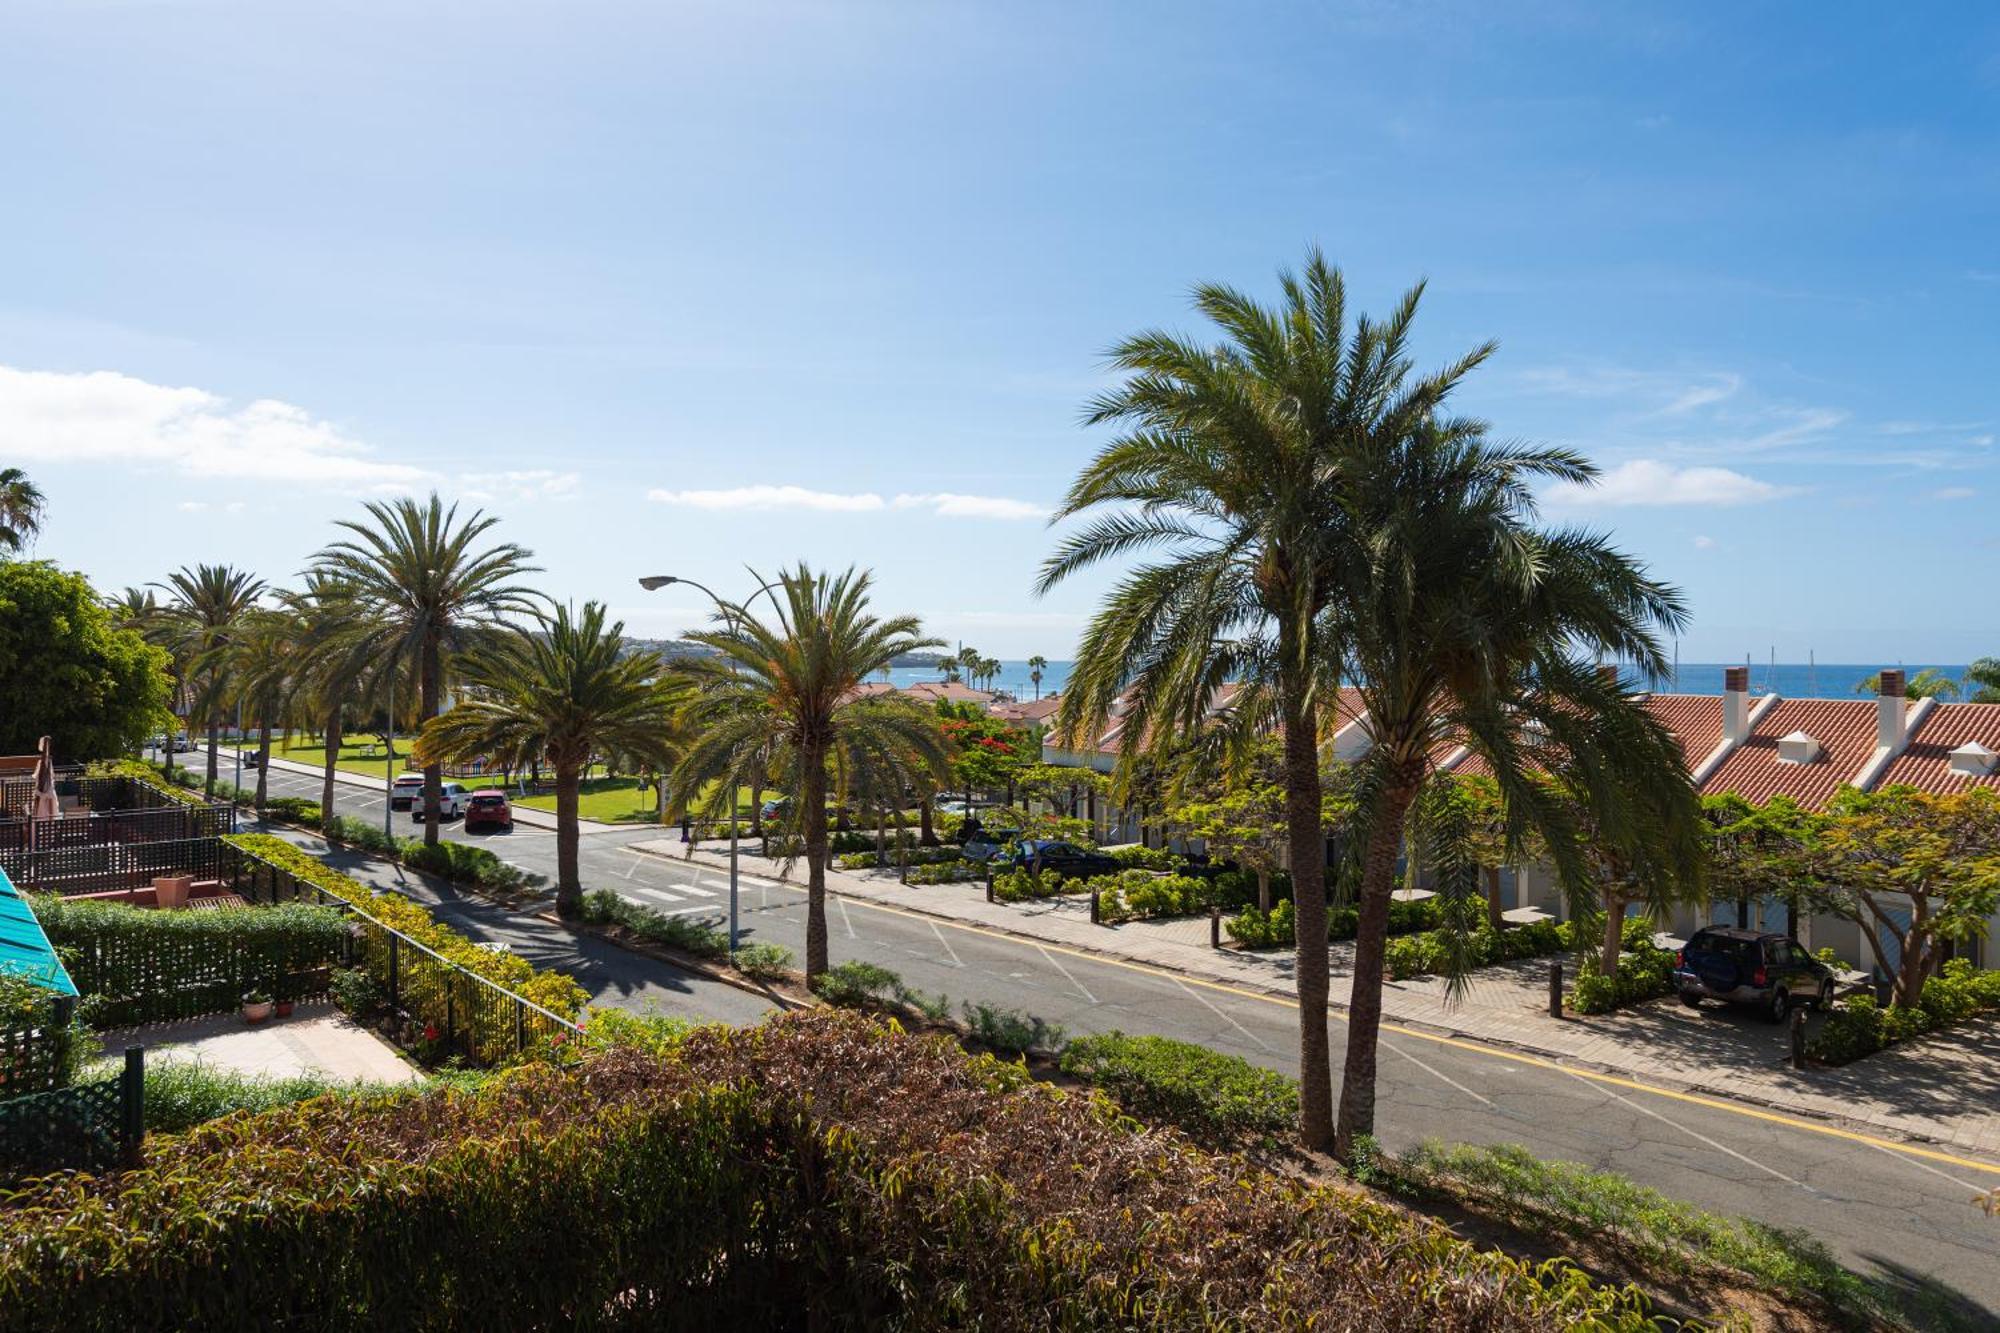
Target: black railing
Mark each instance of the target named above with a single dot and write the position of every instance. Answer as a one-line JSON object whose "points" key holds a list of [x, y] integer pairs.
{"points": [[165, 823], [102, 867], [96, 1126]]}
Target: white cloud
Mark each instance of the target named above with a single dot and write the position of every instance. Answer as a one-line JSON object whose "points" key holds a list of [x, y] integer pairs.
{"points": [[1953, 493], [1704, 543], [520, 487], [946, 504], [950, 505], [193, 506], [1646, 481], [770, 497], [106, 417]]}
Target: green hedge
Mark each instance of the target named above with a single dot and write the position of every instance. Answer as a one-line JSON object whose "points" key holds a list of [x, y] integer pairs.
{"points": [[1645, 971], [1861, 1027], [1277, 929], [820, 1166], [135, 965], [1431, 951], [1213, 1097], [602, 907]]}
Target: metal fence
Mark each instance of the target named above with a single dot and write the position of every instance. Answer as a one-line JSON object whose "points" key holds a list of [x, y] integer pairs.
{"points": [[95, 1126], [99, 867], [165, 823], [35, 1046]]}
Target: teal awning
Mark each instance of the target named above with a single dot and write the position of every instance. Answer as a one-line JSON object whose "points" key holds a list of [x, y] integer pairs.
{"points": [[24, 947]]}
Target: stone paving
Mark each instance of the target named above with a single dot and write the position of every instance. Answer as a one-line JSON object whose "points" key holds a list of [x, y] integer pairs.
{"points": [[316, 1038], [1945, 1090]]}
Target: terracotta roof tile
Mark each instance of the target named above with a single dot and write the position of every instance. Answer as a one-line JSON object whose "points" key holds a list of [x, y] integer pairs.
{"points": [[1927, 761], [1845, 730], [1695, 720]]}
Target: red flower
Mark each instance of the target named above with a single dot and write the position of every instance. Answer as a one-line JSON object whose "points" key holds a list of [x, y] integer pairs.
{"points": [[430, 1032]]}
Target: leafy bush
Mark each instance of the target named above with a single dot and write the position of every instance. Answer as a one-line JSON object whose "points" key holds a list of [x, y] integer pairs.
{"points": [[1213, 1097], [1135, 894], [36, 1052], [554, 991], [602, 907], [134, 965], [854, 983], [1644, 971], [629, 1188], [464, 863], [655, 1034], [1010, 1031], [1016, 886], [1137, 856], [358, 994], [1861, 1027], [763, 961], [363, 834], [948, 872], [294, 810], [1275, 929], [181, 1094], [1430, 951], [915, 856], [1278, 929]]}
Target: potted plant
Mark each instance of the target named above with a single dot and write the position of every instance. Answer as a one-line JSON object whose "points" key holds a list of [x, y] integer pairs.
{"points": [[283, 1005], [256, 1006]]}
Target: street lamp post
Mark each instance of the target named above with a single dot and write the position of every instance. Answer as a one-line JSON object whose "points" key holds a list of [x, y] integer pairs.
{"points": [[652, 583]]}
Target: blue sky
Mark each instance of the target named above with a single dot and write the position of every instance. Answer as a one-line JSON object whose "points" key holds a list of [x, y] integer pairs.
{"points": [[673, 288]]}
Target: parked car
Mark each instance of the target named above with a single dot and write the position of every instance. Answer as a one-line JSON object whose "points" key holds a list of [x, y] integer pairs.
{"points": [[1065, 858], [1739, 966], [452, 801], [488, 808], [985, 844], [405, 789], [774, 810]]}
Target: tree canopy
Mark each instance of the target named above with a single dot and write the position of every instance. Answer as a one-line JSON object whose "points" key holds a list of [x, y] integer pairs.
{"points": [[69, 672]]}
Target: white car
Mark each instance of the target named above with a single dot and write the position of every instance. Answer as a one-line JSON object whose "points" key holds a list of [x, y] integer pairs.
{"points": [[452, 800]]}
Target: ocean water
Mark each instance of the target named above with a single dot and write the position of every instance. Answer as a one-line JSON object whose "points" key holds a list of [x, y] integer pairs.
{"points": [[1796, 680]]}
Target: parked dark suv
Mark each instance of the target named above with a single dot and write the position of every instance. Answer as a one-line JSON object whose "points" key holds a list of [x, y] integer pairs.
{"points": [[1773, 972], [1065, 858]]}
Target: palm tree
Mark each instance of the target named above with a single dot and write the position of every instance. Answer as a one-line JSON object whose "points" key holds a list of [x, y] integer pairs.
{"points": [[1983, 678], [429, 595], [1232, 465], [262, 673], [560, 693], [21, 507], [779, 697], [1036, 665], [197, 627], [1930, 683], [336, 666], [1464, 624]]}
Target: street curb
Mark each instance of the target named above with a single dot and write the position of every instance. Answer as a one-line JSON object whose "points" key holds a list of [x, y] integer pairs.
{"points": [[1667, 1083]]}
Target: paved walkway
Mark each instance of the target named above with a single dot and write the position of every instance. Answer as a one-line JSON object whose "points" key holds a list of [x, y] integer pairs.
{"points": [[317, 1038], [1945, 1090]]}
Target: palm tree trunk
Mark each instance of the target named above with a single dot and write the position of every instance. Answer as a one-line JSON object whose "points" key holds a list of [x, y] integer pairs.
{"points": [[1371, 935], [214, 725], [1495, 917], [263, 762], [430, 686], [1614, 935], [326, 777], [813, 798], [569, 885], [1264, 890], [926, 835], [1307, 839]]}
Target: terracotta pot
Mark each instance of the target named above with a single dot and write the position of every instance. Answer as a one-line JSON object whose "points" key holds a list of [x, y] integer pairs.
{"points": [[283, 1008], [256, 1013], [171, 891]]}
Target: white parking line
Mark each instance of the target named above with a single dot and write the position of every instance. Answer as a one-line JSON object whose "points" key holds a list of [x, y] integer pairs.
{"points": [[1066, 976], [846, 920], [946, 945], [1703, 1138], [1218, 1013], [1437, 1074]]}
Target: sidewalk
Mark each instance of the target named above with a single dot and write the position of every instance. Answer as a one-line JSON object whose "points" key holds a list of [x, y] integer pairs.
{"points": [[541, 819], [1945, 1090]]}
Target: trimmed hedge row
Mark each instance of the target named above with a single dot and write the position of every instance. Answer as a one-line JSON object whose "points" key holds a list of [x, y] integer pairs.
{"points": [[1861, 1027], [553, 991], [1431, 951], [134, 965], [821, 1163], [1214, 1098], [1278, 929]]}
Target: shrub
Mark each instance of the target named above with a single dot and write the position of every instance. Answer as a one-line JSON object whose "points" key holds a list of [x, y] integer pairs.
{"points": [[1264, 930], [655, 1034], [1861, 1027], [763, 961], [554, 991], [1430, 951], [1213, 1097], [1015, 886], [294, 810], [1137, 856], [1277, 929], [134, 965], [913, 855], [948, 872], [1644, 971], [358, 994], [1010, 1031], [816, 1163], [854, 983], [181, 1094], [363, 834], [36, 1052], [602, 907]]}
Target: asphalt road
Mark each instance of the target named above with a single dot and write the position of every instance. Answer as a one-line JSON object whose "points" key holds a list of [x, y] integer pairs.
{"points": [[1899, 1213]]}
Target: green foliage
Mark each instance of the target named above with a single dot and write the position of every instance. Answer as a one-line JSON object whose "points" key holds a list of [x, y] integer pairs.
{"points": [[294, 810], [358, 994], [68, 672], [655, 1034], [1644, 971], [855, 983], [134, 965], [1136, 894], [1430, 951], [1212, 1097], [1860, 1027], [602, 907], [181, 1094], [1016, 886], [1662, 1233], [913, 855], [1258, 930], [36, 1052], [675, 1190], [464, 863], [763, 961], [1010, 1031], [1138, 856], [948, 872]]}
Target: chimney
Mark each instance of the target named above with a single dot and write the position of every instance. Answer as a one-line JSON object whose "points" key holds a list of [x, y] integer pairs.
{"points": [[1736, 703], [1890, 713]]}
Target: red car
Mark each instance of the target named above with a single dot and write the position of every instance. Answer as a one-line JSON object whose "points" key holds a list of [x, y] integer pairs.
{"points": [[488, 808]]}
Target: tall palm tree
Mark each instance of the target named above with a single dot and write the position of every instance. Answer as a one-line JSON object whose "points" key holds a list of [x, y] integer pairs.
{"points": [[429, 594], [780, 697], [263, 674], [1464, 624], [1232, 466], [206, 607], [1982, 681], [559, 693], [335, 667], [1036, 666], [21, 507], [1930, 683], [968, 664]]}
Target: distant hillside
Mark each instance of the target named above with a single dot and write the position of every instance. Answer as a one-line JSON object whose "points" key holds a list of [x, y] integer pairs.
{"points": [[668, 649]]}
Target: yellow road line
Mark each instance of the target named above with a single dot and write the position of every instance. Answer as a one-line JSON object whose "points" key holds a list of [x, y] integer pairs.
{"points": [[1458, 1043]]}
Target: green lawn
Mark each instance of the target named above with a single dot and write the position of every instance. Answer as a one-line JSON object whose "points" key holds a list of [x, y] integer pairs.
{"points": [[619, 801], [354, 754]]}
